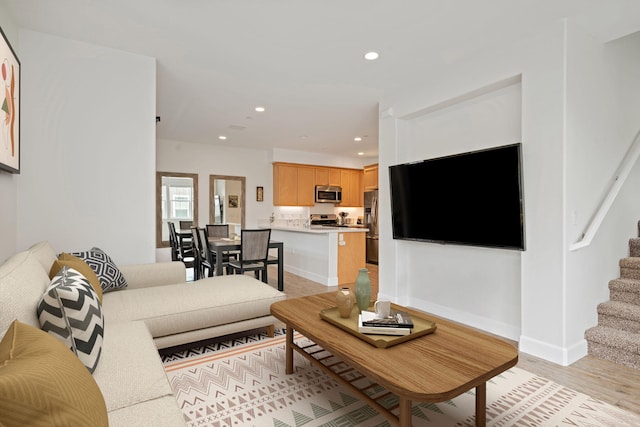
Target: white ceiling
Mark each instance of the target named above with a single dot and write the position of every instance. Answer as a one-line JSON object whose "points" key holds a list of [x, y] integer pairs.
{"points": [[300, 59]]}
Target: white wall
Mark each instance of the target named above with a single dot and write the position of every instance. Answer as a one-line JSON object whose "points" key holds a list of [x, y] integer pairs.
{"points": [[603, 117], [88, 148], [485, 298], [555, 117], [444, 277], [205, 160], [8, 182]]}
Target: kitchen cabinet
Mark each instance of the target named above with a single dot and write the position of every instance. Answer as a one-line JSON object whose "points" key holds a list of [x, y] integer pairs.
{"points": [[351, 256], [293, 185], [328, 176], [306, 186], [352, 192], [370, 177]]}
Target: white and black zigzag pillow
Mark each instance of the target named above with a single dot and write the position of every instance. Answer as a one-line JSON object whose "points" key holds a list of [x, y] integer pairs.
{"points": [[111, 279], [71, 311]]}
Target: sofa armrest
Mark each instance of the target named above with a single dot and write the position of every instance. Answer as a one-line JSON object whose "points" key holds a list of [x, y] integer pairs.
{"points": [[154, 274]]}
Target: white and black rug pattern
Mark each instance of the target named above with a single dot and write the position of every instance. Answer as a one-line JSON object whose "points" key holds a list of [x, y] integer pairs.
{"points": [[243, 384], [225, 343]]}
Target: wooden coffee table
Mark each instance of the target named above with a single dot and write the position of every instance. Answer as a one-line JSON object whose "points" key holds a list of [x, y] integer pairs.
{"points": [[432, 368]]}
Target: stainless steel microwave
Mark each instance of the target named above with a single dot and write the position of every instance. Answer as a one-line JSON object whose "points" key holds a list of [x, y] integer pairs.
{"points": [[328, 194]]}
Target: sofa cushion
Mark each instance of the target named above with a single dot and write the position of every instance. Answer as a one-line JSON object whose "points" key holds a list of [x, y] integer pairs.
{"points": [[130, 369], [173, 309], [43, 384], [44, 253], [79, 265], [71, 311], [107, 271], [22, 283]]}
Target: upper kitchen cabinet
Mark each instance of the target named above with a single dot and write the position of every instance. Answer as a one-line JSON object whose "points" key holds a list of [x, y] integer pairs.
{"points": [[371, 177], [293, 185], [328, 176], [351, 183]]}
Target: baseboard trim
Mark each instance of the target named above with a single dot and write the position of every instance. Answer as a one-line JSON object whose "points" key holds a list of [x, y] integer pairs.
{"points": [[564, 356], [323, 280]]}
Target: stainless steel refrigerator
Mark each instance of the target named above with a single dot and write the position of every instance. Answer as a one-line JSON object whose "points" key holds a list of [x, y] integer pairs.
{"points": [[371, 222]]}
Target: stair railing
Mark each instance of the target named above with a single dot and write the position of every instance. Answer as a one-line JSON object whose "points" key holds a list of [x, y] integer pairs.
{"points": [[625, 167]]}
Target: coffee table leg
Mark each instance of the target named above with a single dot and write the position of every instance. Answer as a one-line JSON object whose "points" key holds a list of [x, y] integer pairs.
{"points": [[405, 412], [289, 351], [481, 405]]}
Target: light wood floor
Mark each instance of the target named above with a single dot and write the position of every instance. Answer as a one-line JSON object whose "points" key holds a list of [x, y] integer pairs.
{"points": [[603, 380]]}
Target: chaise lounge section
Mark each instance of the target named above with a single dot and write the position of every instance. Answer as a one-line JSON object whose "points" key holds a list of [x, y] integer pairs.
{"points": [[157, 309]]}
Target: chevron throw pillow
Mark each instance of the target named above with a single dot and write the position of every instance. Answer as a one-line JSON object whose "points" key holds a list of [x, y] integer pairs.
{"points": [[71, 311], [111, 279]]}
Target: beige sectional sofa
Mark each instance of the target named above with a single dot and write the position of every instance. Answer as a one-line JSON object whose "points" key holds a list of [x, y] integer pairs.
{"points": [[158, 309]]}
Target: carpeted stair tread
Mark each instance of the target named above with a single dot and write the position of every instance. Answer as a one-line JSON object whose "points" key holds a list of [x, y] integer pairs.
{"points": [[620, 309], [623, 352], [617, 335], [619, 315], [625, 290], [614, 345], [630, 267], [630, 262], [634, 247]]}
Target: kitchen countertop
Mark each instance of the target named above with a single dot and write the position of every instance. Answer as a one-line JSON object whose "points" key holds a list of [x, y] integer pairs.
{"points": [[319, 229]]}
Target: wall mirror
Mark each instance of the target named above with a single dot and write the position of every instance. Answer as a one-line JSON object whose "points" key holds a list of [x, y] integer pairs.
{"points": [[227, 201], [176, 200]]}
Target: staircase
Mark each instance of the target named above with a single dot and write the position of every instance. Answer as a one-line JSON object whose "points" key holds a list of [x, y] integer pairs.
{"points": [[617, 335]]}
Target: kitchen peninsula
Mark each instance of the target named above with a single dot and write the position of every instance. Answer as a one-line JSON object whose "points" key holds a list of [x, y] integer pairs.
{"points": [[328, 255]]}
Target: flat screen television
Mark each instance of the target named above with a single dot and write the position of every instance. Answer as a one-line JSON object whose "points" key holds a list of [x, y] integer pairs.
{"points": [[473, 198]]}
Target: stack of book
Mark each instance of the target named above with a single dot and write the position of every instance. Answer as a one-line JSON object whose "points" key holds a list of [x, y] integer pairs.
{"points": [[398, 323]]}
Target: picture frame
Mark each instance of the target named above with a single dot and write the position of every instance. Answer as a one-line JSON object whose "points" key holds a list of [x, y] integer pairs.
{"points": [[9, 107], [233, 201], [259, 194]]}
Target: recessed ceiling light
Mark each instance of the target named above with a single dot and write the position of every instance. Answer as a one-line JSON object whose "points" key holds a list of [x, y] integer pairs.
{"points": [[260, 109], [357, 139], [222, 137], [361, 154], [371, 56]]}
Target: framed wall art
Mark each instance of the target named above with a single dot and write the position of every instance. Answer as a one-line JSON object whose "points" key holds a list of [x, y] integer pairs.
{"points": [[9, 108], [259, 194]]}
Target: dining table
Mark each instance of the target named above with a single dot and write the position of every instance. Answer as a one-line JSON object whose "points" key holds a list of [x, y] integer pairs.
{"points": [[220, 245]]}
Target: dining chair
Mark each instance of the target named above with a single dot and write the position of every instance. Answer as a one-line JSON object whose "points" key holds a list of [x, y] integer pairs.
{"points": [[173, 242], [186, 242], [221, 231], [254, 252], [218, 230], [185, 225], [179, 253], [201, 251]]}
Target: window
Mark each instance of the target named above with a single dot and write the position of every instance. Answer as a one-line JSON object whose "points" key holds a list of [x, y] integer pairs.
{"points": [[176, 200]]}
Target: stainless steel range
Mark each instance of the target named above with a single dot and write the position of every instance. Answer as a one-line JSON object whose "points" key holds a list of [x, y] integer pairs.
{"points": [[325, 220]]}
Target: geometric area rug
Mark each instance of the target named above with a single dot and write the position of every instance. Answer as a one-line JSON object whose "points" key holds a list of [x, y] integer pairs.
{"points": [[245, 385]]}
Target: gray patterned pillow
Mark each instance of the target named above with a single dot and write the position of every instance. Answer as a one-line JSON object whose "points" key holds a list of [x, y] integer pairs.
{"points": [[111, 279], [71, 311]]}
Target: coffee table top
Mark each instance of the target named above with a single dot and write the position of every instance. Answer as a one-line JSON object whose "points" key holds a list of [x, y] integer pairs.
{"points": [[431, 368]]}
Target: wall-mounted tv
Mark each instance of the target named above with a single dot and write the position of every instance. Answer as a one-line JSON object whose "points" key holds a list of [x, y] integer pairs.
{"points": [[473, 198]]}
